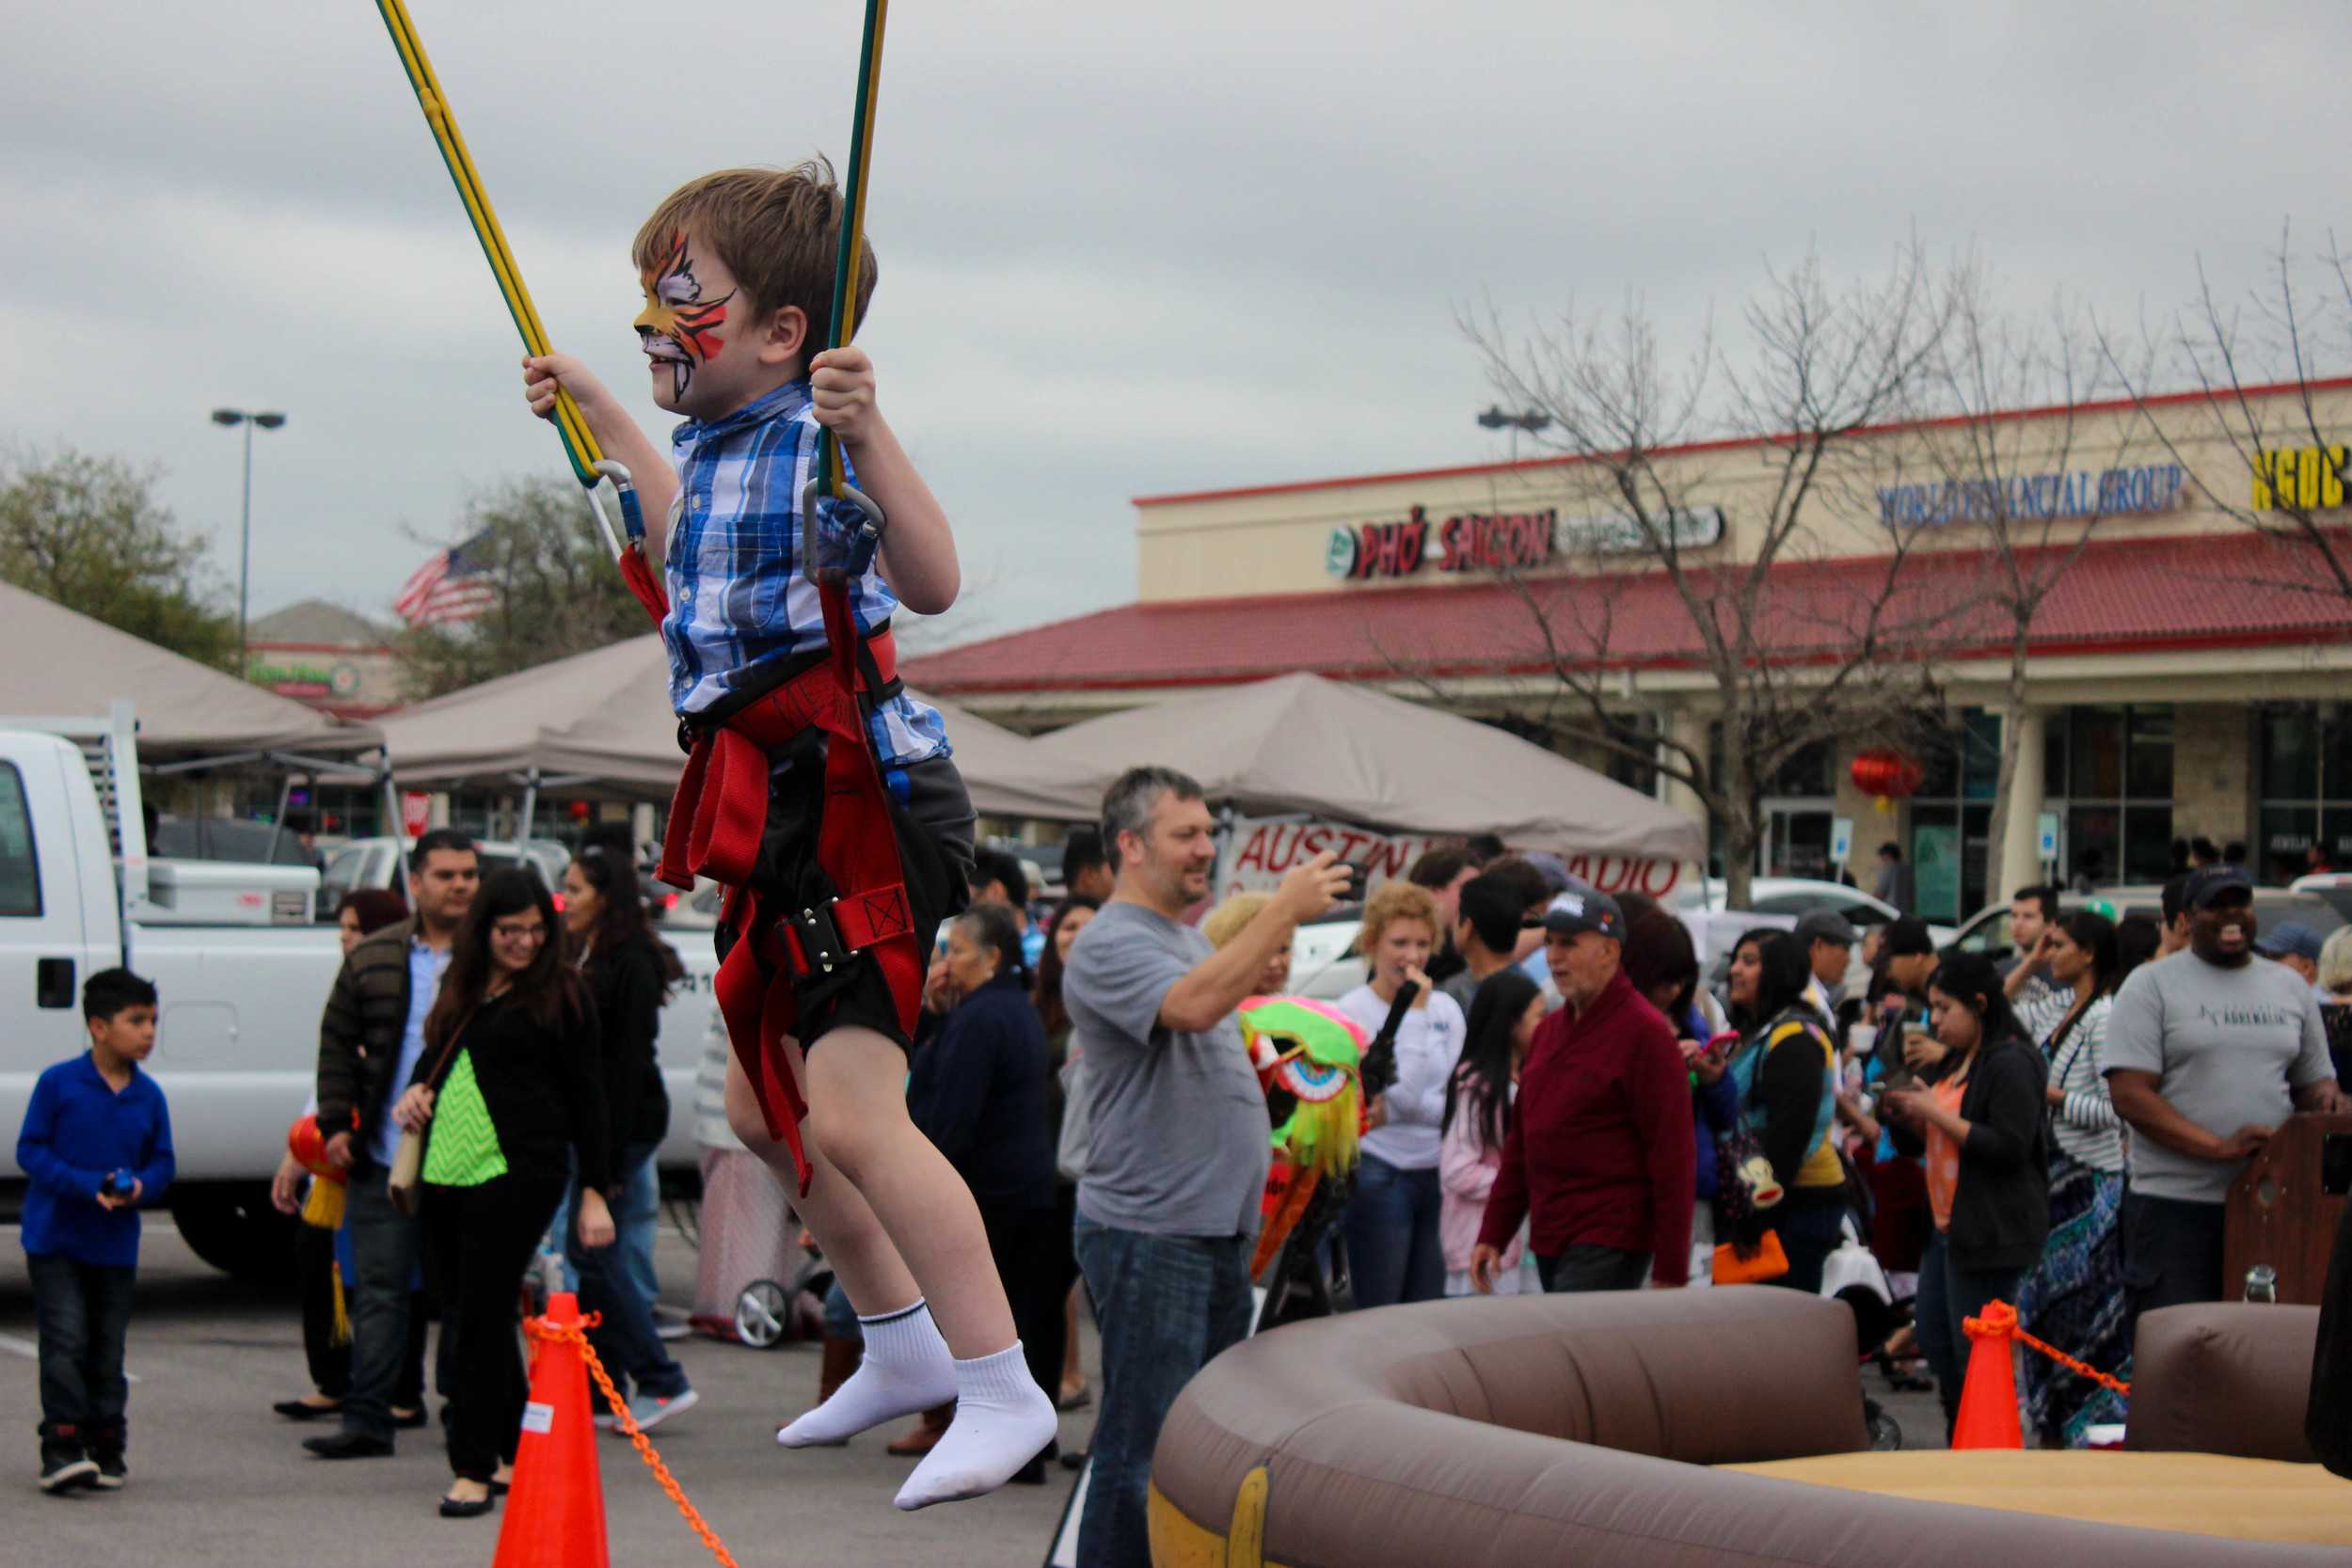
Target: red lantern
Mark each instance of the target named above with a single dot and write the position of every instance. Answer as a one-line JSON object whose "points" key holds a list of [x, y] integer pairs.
{"points": [[1887, 775], [581, 810]]}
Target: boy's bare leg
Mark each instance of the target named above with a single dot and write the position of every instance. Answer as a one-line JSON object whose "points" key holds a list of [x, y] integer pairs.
{"points": [[906, 1365], [906, 1222]]}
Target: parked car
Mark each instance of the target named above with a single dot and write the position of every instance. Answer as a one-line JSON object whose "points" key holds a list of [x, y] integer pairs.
{"points": [[2334, 886], [380, 862], [1798, 895], [1987, 930]]}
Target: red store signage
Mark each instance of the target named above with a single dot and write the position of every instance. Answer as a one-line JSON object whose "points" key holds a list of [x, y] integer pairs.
{"points": [[1471, 542]]}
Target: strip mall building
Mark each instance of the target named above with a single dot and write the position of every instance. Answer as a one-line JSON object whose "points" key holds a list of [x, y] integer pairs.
{"points": [[2185, 677]]}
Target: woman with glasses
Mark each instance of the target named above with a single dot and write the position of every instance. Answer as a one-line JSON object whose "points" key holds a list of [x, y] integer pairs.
{"points": [[507, 1104]]}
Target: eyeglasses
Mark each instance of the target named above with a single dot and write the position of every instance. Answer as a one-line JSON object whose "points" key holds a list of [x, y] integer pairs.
{"points": [[507, 930]]}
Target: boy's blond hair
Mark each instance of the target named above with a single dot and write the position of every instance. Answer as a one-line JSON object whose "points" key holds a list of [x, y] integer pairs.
{"points": [[775, 228]]}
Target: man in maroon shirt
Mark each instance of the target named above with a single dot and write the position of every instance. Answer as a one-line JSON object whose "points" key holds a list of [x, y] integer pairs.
{"points": [[1600, 1150]]}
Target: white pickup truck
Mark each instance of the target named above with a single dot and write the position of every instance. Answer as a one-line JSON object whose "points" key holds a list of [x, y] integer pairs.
{"points": [[242, 967]]}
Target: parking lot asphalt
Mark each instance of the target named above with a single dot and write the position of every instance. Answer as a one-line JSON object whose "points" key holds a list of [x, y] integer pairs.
{"points": [[216, 1480]]}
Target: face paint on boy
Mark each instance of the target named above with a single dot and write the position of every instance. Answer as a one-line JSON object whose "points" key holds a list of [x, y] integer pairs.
{"points": [[678, 328]]}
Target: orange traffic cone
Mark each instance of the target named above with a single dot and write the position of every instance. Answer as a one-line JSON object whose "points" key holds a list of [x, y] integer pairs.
{"points": [[1988, 1400], [555, 1513]]}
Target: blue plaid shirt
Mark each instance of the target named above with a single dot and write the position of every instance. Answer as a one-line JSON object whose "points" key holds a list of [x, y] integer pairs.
{"points": [[738, 599]]}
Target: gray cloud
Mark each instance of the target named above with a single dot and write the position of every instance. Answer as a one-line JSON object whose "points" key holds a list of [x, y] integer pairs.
{"points": [[1125, 250]]}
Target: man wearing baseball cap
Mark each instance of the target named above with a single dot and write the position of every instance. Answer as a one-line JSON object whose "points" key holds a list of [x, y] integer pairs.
{"points": [[2206, 1052], [1829, 937], [2295, 945], [1599, 1158]]}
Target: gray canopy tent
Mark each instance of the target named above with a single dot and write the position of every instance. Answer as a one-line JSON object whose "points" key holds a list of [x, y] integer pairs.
{"points": [[602, 720], [1300, 743], [69, 672]]}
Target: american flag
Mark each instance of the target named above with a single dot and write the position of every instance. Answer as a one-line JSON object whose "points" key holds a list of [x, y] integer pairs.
{"points": [[453, 586]]}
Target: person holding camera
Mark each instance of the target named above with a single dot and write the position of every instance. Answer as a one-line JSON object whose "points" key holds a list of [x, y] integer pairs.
{"points": [[1168, 1206], [1980, 1110]]}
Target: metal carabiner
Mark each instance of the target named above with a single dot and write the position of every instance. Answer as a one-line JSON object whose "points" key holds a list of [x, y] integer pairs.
{"points": [[839, 534], [632, 513]]}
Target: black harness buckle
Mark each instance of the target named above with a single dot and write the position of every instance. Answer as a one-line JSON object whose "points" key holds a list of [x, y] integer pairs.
{"points": [[820, 940]]}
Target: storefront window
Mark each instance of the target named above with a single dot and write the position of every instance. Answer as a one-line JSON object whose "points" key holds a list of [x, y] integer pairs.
{"points": [[1950, 821], [2110, 770], [2305, 749]]}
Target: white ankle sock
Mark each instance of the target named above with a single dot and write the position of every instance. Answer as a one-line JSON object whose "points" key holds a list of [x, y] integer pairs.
{"points": [[1003, 1420], [906, 1369]]}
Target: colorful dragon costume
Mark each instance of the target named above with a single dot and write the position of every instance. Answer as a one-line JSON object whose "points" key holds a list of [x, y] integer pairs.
{"points": [[1313, 1053]]}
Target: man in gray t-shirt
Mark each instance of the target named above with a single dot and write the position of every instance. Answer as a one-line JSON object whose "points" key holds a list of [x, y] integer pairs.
{"points": [[2206, 1052], [1179, 1144], [1168, 1207]]}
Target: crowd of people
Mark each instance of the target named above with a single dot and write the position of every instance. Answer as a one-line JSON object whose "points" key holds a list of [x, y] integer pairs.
{"points": [[1573, 1107]]}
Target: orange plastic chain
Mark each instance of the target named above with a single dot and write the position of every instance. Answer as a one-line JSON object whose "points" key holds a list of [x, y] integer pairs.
{"points": [[538, 1328], [1999, 1322]]}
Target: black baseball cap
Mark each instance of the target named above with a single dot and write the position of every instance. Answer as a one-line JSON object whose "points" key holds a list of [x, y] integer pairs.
{"points": [[1585, 910], [1907, 938], [2207, 884]]}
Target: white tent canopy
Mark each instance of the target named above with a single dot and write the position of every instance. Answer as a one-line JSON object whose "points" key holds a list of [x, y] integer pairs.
{"points": [[602, 720], [56, 664], [1300, 743]]}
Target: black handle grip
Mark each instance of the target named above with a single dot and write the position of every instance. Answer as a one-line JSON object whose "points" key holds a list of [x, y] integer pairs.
{"points": [[53, 982]]}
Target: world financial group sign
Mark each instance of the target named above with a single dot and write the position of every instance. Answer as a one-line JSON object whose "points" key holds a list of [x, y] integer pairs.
{"points": [[2077, 493], [1499, 541]]}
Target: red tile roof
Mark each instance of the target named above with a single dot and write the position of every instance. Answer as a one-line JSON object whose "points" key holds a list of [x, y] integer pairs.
{"points": [[2211, 591]]}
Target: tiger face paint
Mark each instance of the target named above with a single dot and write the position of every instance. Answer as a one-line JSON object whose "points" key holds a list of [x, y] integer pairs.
{"points": [[678, 329]]}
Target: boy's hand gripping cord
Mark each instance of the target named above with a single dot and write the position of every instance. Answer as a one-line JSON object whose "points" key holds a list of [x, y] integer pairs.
{"points": [[588, 461]]}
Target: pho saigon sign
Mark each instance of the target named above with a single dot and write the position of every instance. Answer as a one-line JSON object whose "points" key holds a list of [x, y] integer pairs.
{"points": [[1497, 541]]}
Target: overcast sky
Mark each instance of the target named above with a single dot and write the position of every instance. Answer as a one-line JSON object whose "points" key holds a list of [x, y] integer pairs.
{"points": [[1126, 248]]}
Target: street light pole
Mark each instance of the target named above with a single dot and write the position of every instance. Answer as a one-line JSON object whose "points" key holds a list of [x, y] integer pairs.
{"points": [[1530, 420], [249, 418]]}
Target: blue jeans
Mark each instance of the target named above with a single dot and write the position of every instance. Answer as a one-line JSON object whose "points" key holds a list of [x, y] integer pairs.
{"points": [[626, 1340], [384, 1252], [1167, 1306], [82, 1312], [1392, 1229], [1946, 1296]]}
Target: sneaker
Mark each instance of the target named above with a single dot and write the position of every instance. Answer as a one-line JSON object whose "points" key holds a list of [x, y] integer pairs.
{"points": [[65, 1466], [649, 1411], [113, 1474]]}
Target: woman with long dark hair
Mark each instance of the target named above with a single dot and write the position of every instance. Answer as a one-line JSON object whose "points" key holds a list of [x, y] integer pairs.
{"points": [[1980, 1110], [2075, 1296], [1664, 965], [1062, 927], [627, 974], [1785, 1072], [508, 1104], [1504, 1011]]}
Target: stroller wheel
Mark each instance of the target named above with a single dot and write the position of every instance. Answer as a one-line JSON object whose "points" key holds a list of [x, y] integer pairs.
{"points": [[763, 1314]]}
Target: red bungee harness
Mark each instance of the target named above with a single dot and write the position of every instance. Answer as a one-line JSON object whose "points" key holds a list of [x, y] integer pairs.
{"points": [[716, 821]]}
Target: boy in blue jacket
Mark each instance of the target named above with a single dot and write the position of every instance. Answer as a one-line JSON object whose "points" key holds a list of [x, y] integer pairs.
{"points": [[96, 1145]]}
